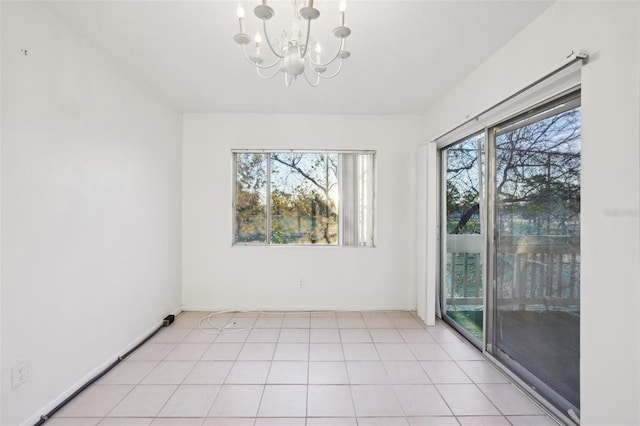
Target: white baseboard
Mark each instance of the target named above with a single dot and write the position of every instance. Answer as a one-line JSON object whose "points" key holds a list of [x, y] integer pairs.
{"points": [[93, 373], [312, 308]]}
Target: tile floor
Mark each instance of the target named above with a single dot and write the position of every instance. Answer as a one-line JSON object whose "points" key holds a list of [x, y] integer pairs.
{"points": [[303, 369]]}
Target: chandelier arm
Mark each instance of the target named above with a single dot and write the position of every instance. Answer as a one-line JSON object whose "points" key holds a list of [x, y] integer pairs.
{"points": [[332, 75], [267, 77], [306, 43], [309, 81], [334, 58], [266, 36], [244, 49]]}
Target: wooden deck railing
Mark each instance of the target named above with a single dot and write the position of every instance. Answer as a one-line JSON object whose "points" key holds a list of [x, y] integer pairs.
{"points": [[547, 275]]}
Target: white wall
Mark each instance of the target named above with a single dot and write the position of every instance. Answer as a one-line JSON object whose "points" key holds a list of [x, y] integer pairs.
{"points": [[1, 135], [610, 330], [217, 275], [91, 175]]}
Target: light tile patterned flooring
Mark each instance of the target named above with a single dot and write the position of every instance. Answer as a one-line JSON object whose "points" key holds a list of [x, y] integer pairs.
{"points": [[303, 369]]}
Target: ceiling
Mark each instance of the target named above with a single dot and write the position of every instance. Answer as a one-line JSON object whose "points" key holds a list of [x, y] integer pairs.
{"points": [[404, 54]]}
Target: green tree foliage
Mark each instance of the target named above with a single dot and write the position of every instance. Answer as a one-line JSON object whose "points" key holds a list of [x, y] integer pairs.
{"points": [[538, 179], [251, 185], [303, 207]]}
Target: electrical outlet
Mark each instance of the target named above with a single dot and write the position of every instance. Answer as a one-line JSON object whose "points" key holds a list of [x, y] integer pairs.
{"points": [[300, 284], [19, 373]]}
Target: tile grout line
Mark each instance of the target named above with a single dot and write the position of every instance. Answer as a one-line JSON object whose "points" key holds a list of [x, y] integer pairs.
{"points": [[344, 357], [455, 361], [405, 340], [435, 385], [183, 379], [234, 361], [387, 371], [140, 384], [194, 366], [210, 346]]}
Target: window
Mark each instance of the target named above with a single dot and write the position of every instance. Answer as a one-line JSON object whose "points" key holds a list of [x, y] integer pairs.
{"points": [[304, 198]]}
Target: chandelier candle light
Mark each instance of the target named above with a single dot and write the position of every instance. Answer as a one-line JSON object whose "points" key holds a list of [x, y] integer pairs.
{"points": [[292, 51]]}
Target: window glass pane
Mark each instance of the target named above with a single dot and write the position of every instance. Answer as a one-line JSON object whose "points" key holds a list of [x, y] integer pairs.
{"points": [[464, 243], [538, 250], [304, 198], [464, 180], [251, 197]]}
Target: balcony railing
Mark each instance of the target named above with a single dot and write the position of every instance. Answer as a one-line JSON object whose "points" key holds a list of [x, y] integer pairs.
{"points": [[530, 276]]}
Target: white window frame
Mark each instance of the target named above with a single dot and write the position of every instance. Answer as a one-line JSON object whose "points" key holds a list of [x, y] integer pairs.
{"points": [[353, 231]]}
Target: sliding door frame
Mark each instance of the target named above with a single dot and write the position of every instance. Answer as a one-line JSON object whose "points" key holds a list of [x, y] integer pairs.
{"points": [[534, 386], [490, 241], [481, 344], [523, 378]]}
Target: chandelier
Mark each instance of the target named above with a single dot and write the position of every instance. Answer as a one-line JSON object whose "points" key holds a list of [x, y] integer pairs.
{"points": [[293, 51]]}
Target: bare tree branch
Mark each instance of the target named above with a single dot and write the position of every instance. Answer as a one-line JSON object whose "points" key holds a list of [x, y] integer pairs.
{"points": [[294, 166]]}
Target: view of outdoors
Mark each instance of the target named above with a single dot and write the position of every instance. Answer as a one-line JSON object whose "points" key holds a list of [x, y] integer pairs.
{"points": [[251, 198], [303, 198], [538, 247], [463, 269], [535, 298]]}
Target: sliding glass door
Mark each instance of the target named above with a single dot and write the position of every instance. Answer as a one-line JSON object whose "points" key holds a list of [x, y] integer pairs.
{"points": [[463, 240], [537, 250], [521, 236]]}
